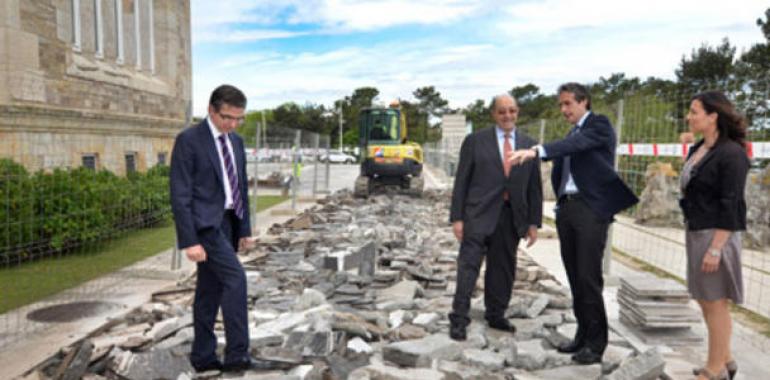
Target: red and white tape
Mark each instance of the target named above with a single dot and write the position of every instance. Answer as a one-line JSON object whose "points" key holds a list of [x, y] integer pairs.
{"points": [[758, 149]]}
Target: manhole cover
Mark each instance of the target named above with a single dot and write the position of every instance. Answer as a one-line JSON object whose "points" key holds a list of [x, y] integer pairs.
{"points": [[68, 312]]}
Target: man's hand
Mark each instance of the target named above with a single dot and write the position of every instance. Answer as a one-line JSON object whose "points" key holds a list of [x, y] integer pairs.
{"points": [[245, 243], [195, 253], [457, 228], [531, 236], [521, 156], [710, 263]]}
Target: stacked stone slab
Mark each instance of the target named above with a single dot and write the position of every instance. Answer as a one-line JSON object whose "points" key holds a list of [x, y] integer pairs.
{"points": [[352, 289], [658, 306]]}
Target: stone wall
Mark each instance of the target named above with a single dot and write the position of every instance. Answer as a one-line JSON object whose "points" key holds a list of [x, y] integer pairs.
{"points": [[52, 90]]}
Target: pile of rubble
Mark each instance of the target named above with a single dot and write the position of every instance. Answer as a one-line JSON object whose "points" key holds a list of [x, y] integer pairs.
{"points": [[357, 289]]}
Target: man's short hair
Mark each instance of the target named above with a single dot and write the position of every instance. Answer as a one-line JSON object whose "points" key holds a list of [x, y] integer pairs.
{"points": [[579, 91], [493, 102], [227, 94]]}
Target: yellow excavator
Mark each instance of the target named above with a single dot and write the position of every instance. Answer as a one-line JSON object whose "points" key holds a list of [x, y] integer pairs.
{"points": [[388, 158]]}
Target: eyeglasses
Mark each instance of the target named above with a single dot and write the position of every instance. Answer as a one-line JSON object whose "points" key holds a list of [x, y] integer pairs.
{"points": [[229, 118]]}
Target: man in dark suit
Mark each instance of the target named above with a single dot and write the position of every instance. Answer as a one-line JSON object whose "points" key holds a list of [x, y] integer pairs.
{"points": [[493, 206], [589, 194], [209, 199]]}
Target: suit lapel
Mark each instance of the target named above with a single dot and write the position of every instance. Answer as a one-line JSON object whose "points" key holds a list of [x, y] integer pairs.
{"points": [[211, 148], [518, 144], [491, 147]]}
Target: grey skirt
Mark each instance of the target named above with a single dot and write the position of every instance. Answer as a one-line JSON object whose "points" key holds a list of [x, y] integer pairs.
{"points": [[727, 281]]}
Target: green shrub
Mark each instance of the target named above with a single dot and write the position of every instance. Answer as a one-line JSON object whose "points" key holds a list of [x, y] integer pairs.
{"points": [[65, 209]]}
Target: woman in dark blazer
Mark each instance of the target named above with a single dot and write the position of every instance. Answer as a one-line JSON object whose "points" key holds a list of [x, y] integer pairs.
{"points": [[713, 181]]}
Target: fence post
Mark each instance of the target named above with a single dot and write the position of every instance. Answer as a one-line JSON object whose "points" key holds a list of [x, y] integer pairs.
{"points": [[328, 168], [315, 163], [254, 221], [542, 131], [606, 265], [294, 171]]}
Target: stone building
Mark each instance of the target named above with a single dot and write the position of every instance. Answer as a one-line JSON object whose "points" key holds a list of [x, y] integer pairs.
{"points": [[98, 83]]}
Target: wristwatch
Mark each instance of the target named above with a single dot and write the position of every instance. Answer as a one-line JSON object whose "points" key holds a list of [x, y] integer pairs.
{"points": [[714, 252]]}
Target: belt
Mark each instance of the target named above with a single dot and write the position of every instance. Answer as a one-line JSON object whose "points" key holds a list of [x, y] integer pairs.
{"points": [[570, 197]]}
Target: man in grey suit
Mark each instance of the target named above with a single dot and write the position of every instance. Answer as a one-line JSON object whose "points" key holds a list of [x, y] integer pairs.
{"points": [[494, 204]]}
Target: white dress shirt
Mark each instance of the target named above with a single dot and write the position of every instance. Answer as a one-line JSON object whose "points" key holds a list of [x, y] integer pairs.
{"points": [[225, 180]]}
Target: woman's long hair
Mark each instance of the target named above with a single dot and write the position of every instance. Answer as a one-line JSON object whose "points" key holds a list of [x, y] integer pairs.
{"points": [[730, 123]]}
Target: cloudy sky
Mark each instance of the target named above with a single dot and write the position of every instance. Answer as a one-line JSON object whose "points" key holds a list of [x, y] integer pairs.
{"points": [[321, 50]]}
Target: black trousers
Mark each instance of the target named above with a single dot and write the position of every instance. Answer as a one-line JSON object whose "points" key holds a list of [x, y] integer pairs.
{"points": [[500, 252], [221, 282], [582, 237]]}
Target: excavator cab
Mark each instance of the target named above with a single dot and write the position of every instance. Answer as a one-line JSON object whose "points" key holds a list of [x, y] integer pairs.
{"points": [[389, 159]]}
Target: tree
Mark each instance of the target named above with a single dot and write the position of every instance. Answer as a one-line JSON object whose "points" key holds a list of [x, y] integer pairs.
{"points": [[706, 66], [478, 114], [532, 104], [430, 104]]}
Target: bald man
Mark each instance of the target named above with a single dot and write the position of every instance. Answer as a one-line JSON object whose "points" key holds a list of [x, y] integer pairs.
{"points": [[494, 205]]}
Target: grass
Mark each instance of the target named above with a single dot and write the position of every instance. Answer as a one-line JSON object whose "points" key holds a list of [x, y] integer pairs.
{"points": [[30, 282]]}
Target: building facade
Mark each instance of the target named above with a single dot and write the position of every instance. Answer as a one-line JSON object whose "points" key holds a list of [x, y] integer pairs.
{"points": [[98, 83]]}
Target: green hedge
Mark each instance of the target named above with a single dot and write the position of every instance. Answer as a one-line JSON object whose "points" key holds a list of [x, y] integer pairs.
{"points": [[54, 212]]}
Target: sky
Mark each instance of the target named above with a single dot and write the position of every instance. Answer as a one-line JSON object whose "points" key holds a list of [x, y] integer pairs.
{"points": [[317, 51]]}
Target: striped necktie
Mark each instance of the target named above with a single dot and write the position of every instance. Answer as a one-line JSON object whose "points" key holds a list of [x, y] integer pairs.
{"points": [[232, 178]]}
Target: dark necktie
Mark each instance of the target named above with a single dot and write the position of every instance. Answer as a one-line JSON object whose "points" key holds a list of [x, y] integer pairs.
{"points": [[232, 178]]}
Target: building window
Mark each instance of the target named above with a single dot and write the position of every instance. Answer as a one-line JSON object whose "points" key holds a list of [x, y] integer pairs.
{"points": [[89, 161], [151, 19], [76, 36], [130, 162], [137, 35], [119, 30], [162, 158], [98, 35]]}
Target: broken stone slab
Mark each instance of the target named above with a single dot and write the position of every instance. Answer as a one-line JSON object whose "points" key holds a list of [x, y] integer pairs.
{"points": [[167, 327], [368, 260], [278, 357], [421, 352], [287, 321], [358, 345], [570, 372], [408, 332], [537, 306], [155, 364], [457, 371], [312, 344], [76, 362], [613, 356], [310, 298], [488, 360], [342, 366], [426, 319], [645, 366], [530, 355], [382, 371]]}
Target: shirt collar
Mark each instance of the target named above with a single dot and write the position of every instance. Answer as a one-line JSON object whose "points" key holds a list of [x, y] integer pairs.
{"points": [[583, 119], [501, 133], [214, 131]]}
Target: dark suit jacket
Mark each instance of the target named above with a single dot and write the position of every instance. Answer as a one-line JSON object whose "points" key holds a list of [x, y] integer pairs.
{"points": [[714, 197], [197, 191], [479, 183], [592, 164]]}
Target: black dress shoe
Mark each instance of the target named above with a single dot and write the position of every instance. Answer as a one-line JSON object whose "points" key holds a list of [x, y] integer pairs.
{"points": [[457, 332], [502, 324], [241, 366], [587, 356], [213, 366], [570, 347]]}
